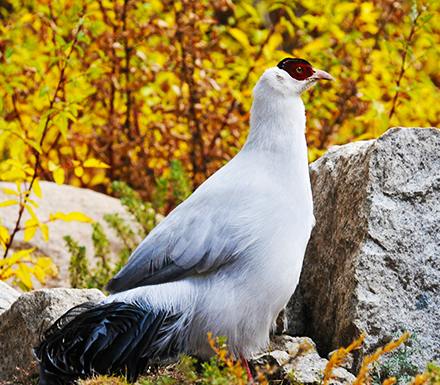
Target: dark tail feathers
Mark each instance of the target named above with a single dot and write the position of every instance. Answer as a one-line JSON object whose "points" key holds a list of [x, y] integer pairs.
{"points": [[104, 339]]}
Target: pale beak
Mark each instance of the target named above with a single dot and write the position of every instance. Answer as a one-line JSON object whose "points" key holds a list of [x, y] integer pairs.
{"points": [[320, 74]]}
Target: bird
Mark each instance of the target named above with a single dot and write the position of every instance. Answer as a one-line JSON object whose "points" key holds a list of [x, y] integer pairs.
{"points": [[225, 261]]}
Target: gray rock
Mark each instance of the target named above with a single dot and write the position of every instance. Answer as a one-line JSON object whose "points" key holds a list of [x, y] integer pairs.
{"points": [[298, 356], [31, 314], [8, 295], [64, 199], [373, 261]]}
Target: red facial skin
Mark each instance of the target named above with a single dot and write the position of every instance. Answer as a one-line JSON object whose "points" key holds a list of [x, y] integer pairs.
{"points": [[298, 71]]}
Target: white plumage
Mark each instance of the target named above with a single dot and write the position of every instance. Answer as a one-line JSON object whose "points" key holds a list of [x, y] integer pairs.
{"points": [[227, 259]]}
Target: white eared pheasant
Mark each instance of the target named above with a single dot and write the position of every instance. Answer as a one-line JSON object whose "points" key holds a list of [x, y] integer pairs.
{"points": [[225, 261]]}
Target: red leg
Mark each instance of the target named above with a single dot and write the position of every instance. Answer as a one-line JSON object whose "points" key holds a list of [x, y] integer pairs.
{"points": [[248, 370]]}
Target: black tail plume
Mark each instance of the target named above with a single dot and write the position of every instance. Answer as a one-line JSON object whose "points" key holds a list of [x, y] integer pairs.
{"points": [[112, 338]]}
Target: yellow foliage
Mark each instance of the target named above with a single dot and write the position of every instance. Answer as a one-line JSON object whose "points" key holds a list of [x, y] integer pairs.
{"points": [[80, 217], [24, 275], [79, 171], [74, 216], [44, 231], [21, 266], [58, 176], [241, 37], [31, 226], [9, 202], [4, 236], [95, 163]]}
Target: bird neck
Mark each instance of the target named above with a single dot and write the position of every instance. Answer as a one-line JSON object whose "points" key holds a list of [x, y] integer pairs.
{"points": [[277, 125]]}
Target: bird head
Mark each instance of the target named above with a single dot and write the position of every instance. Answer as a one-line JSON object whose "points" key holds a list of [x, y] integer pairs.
{"points": [[291, 77]]}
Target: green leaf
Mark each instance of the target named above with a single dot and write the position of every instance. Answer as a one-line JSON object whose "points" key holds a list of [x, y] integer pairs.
{"points": [[85, 39], [60, 40], [47, 113], [80, 50], [44, 90], [54, 60], [34, 145], [384, 122], [70, 116]]}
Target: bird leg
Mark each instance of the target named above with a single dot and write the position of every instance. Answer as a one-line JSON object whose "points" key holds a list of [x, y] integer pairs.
{"points": [[248, 370]]}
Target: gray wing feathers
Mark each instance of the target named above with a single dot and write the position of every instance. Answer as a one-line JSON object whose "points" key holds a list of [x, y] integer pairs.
{"points": [[193, 243], [176, 248]]}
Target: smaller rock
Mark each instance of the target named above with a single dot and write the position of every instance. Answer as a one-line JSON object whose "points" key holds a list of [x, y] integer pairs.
{"points": [[8, 295], [298, 356], [22, 324]]}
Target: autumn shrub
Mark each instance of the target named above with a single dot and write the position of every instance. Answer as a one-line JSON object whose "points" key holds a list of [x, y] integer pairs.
{"points": [[136, 83]]}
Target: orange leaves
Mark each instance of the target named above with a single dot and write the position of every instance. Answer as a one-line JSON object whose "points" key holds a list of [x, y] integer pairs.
{"points": [[363, 376], [236, 369], [337, 358], [367, 364]]}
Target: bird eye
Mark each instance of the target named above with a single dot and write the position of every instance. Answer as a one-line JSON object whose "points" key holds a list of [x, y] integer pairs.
{"points": [[297, 68]]}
